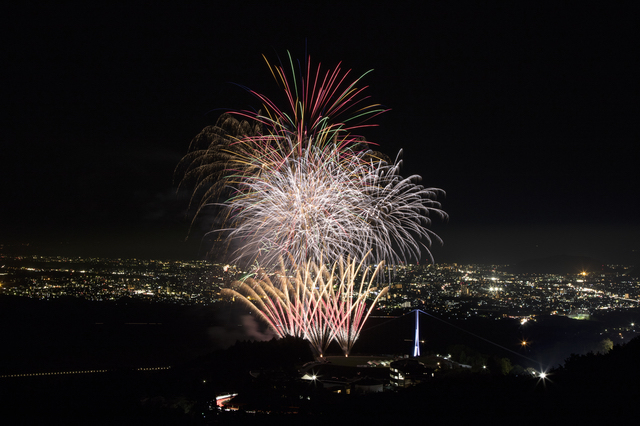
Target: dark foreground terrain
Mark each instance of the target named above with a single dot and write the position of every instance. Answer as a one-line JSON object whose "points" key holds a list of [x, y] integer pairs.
{"points": [[63, 336], [593, 388]]}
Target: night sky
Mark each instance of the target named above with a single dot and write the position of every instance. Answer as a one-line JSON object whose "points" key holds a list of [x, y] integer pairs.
{"points": [[526, 115]]}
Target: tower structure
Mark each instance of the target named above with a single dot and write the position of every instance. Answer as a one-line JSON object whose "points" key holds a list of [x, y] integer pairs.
{"points": [[416, 339]]}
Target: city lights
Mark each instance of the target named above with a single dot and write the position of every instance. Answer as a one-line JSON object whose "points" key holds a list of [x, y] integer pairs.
{"points": [[436, 287]]}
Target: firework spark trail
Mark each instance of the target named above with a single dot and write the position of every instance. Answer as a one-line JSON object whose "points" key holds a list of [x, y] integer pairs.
{"points": [[348, 304], [311, 209], [318, 105], [400, 214], [317, 304], [324, 110], [329, 204], [290, 307]]}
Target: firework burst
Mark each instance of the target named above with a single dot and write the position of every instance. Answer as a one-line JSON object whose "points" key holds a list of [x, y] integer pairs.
{"points": [[317, 303], [327, 204], [300, 184], [227, 161], [323, 108]]}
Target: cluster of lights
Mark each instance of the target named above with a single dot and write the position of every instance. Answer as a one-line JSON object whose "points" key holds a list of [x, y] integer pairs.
{"points": [[62, 373], [56, 373]]}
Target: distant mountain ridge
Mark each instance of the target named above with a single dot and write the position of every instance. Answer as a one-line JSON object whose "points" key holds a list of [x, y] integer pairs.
{"points": [[560, 264]]}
